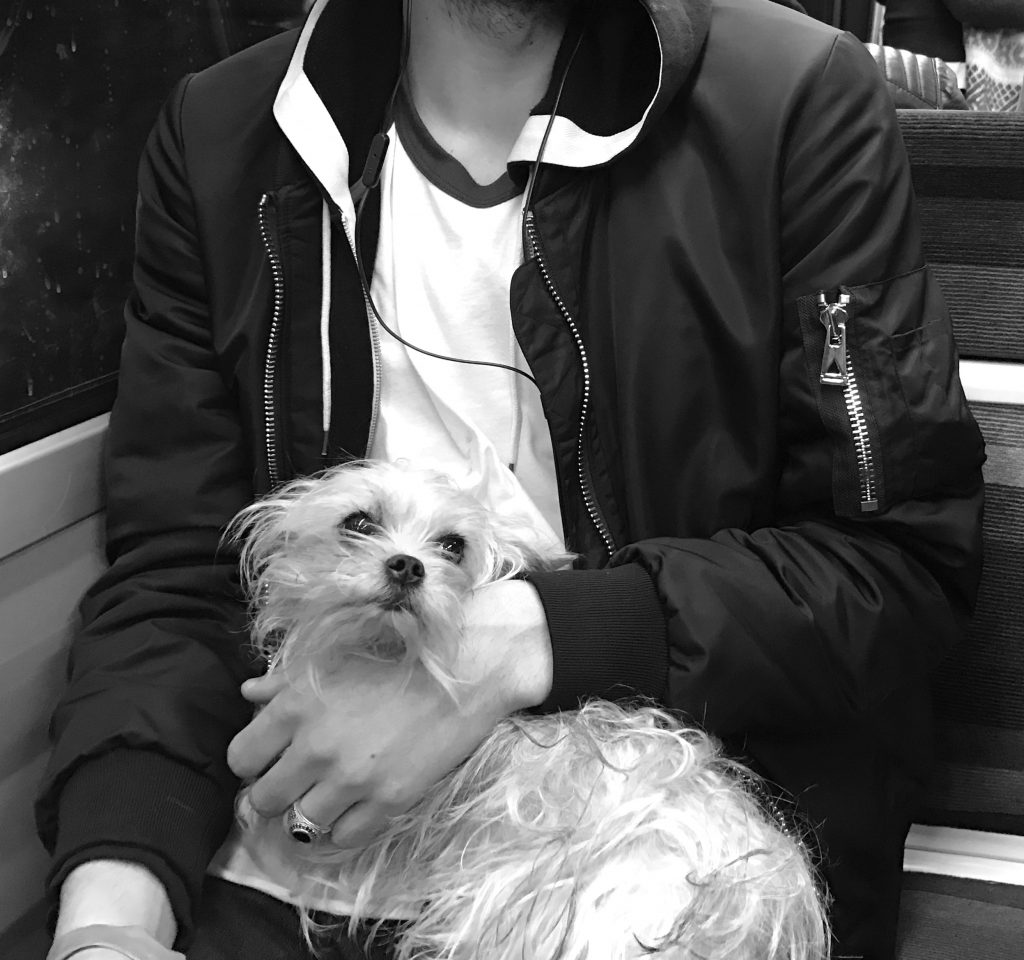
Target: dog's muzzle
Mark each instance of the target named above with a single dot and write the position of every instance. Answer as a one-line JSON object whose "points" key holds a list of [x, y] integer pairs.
{"points": [[404, 574], [405, 570]]}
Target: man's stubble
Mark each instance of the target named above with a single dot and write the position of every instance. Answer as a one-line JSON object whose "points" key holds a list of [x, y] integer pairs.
{"points": [[505, 18]]}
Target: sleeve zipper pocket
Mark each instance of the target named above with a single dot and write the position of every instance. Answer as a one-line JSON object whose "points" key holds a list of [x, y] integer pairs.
{"points": [[837, 372]]}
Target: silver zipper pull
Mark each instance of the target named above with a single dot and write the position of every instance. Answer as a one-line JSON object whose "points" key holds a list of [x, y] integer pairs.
{"points": [[834, 370]]}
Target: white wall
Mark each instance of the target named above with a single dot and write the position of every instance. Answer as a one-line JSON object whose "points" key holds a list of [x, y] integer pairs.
{"points": [[50, 552]]}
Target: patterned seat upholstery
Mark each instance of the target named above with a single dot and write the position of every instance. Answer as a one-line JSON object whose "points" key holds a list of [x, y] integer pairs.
{"points": [[917, 82]]}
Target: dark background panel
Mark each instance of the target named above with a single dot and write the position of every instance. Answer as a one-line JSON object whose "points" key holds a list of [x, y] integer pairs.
{"points": [[80, 86]]}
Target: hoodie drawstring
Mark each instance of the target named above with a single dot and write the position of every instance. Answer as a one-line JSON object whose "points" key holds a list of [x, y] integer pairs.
{"points": [[325, 324]]}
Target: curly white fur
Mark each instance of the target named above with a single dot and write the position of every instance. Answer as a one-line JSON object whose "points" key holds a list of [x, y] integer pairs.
{"points": [[597, 834]]}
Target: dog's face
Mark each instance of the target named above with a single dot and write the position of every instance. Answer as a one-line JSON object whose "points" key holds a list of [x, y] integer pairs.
{"points": [[375, 558]]}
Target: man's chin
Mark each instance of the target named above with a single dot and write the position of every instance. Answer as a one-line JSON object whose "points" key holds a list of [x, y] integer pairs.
{"points": [[503, 18]]}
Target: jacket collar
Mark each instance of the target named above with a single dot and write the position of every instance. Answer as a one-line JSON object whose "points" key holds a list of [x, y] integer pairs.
{"points": [[633, 59]]}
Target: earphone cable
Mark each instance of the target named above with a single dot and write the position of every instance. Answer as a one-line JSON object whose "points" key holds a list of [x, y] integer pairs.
{"points": [[373, 169], [397, 336], [534, 170]]}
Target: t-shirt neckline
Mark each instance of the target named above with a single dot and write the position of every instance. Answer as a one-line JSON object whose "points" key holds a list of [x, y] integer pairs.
{"points": [[439, 167]]}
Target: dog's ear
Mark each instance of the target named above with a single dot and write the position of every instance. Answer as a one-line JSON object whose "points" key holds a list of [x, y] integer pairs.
{"points": [[516, 548], [260, 530], [248, 533]]}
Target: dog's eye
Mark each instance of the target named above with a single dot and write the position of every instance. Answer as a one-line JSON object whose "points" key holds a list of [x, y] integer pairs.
{"points": [[453, 546], [358, 523]]}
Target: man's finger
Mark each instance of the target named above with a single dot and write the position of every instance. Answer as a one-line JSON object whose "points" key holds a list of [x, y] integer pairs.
{"points": [[255, 747], [285, 782], [357, 826], [327, 802], [262, 690]]}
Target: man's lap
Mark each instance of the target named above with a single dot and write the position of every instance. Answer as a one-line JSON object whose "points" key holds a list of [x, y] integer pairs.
{"points": [[237, 922]]}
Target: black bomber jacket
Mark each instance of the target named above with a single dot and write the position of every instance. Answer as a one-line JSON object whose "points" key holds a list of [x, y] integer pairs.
{"points": [[764, 455]]}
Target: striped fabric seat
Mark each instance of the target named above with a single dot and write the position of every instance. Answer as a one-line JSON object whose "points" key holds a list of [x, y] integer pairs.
{"points": [[964, 880], [980, 690], [968, 171]]}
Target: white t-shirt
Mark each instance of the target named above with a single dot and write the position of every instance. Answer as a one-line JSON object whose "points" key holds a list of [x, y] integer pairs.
{"points": [[447, 251], [445, 257]]}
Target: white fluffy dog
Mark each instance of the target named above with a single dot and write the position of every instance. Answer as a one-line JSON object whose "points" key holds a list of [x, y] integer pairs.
{"points": [[597, 834]]}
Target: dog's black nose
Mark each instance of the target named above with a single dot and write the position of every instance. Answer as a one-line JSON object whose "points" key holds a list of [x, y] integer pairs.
{"points": [[405, 570]]}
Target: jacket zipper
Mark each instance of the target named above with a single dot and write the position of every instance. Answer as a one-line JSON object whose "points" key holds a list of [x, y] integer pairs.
{"points": [[273, 342], [582, 464], [374, 340], [837, 371]]}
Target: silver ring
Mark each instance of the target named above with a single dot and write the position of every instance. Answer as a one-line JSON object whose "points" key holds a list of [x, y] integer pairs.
{"points": [[302, 828]]}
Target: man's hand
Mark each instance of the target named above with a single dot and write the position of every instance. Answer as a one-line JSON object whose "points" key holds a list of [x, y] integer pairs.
{"points": [[110, 943], [379, 735], [116, 894], [132, 946]]}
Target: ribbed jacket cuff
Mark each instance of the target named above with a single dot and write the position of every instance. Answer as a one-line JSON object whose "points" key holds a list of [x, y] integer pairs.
{"points": [[141, 806], [608, 635]]}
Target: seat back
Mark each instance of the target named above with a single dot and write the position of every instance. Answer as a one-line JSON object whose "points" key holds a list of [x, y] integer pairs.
{"points": [[968, 171]]}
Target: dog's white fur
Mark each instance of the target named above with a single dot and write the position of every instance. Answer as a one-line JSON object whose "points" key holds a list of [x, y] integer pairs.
{"points": [[322, 591], [597, 834]]}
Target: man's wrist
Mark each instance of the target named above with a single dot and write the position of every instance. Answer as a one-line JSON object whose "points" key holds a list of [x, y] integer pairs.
{"points": [[508, 618], [105, 942], [532, 650], [116, 893]]}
